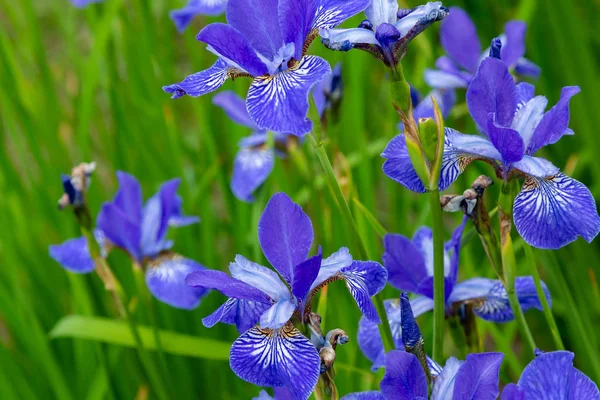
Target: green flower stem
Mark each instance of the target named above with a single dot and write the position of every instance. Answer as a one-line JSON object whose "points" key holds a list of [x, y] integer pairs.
{"points": [[540, 292], [317, 144], [113, 285], [439, 309], [509, 262]]}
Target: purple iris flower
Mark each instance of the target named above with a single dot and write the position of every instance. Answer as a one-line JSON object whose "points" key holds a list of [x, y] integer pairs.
{"points": [[459, 38], [267, 40], [410, 268], [551, 376], [274, 353], [387, 30], [254, 161], [552, 209], [140, 229], [84, 3], [183, 17]]}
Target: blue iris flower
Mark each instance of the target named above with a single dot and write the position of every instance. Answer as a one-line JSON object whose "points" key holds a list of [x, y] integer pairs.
{"points": [[458, 36], [552, 376], [140, 229], [254, 161], [274, 353], [410, 268], [387, 30], [183, 17], [267, 40], [84, 3], [475, 378]]}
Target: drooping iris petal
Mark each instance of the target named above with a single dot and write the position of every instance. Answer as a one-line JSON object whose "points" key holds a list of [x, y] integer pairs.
{"points": [[459, 38], [332, 265], [228, 43], [285, 234], [404, 377], [278, 315], [508, 141], [382, 12], [165, 278], [183, 17], [525, 67], [399, 167], [331, 13], [257, 21], [129, 196], [225, 284], [493, 90], [370, 343], [444, 384], [155, 219], [279, 103], [202, 82], [445, 99], [244, 314], [305, 274], [84, 3], [73, 255], [529, 116], [478, 377], [404, 262], [552, 212], [373, 395], [235, 108], [282, 357], [262, 278], [177, 218], [513, 392], [345, 39], [365, 279], [555, 122], [514, 47], [251, 168], [421, 305], [454, 245], [120, 229], [553, 373], [473, 288]]}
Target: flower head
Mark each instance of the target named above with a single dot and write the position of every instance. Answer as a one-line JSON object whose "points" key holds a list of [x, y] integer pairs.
{"points": [[552, 376], [387, 30], [459, 38], [267, 41], [84, 3], [410, 268], [140, 229], [183, 17], [260, 295]]}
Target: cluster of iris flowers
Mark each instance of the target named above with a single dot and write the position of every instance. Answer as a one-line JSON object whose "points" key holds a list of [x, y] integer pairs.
{"points": [[282, 343]]}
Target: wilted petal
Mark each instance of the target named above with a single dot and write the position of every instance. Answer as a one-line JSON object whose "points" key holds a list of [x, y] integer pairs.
{"points": [[235, 108], [399, 167], [365, 279], [251, 168], [73, 255], [459, 38], [282, 357], [285, 234], [404, 377], [242, 313], [444, 384], [404, 262], [553, 373], [332, 265], [478, 377], [183, 16], [552, 212], [262, 278], [202, 82], [493, 90], [555, 122], [279, 103], [165, 278], [508, 141], [228, 43], [513, 47], [225, 284]]}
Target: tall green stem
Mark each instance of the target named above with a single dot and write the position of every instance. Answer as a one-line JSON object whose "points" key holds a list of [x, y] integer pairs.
{"points": [[509, 262], [317, 145], [439, 309], [542, 296]]}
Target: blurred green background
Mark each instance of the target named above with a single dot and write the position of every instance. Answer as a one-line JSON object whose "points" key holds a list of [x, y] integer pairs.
{"points": [[81, 85]]}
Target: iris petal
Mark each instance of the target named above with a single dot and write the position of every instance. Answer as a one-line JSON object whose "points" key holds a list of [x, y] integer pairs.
{"points": [[262, 278], [332, 265], [552, 212], [478, 376], [459, 38], [305, 274], [278, 315], [73, 255], [404, 377], [444, 384], [404, 262], [202, 82], [514, 47], [183, 17], [282, 357], [235, 108], [373, 395], [225, 284], [398, 165], [251, 168], [244, 314], [365, 279]]}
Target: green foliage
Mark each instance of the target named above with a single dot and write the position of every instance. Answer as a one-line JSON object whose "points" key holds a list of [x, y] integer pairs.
{"points": [[82, 85]]}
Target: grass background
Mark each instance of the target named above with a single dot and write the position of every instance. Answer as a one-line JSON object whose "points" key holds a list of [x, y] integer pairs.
{"points": [[80, 85]]}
